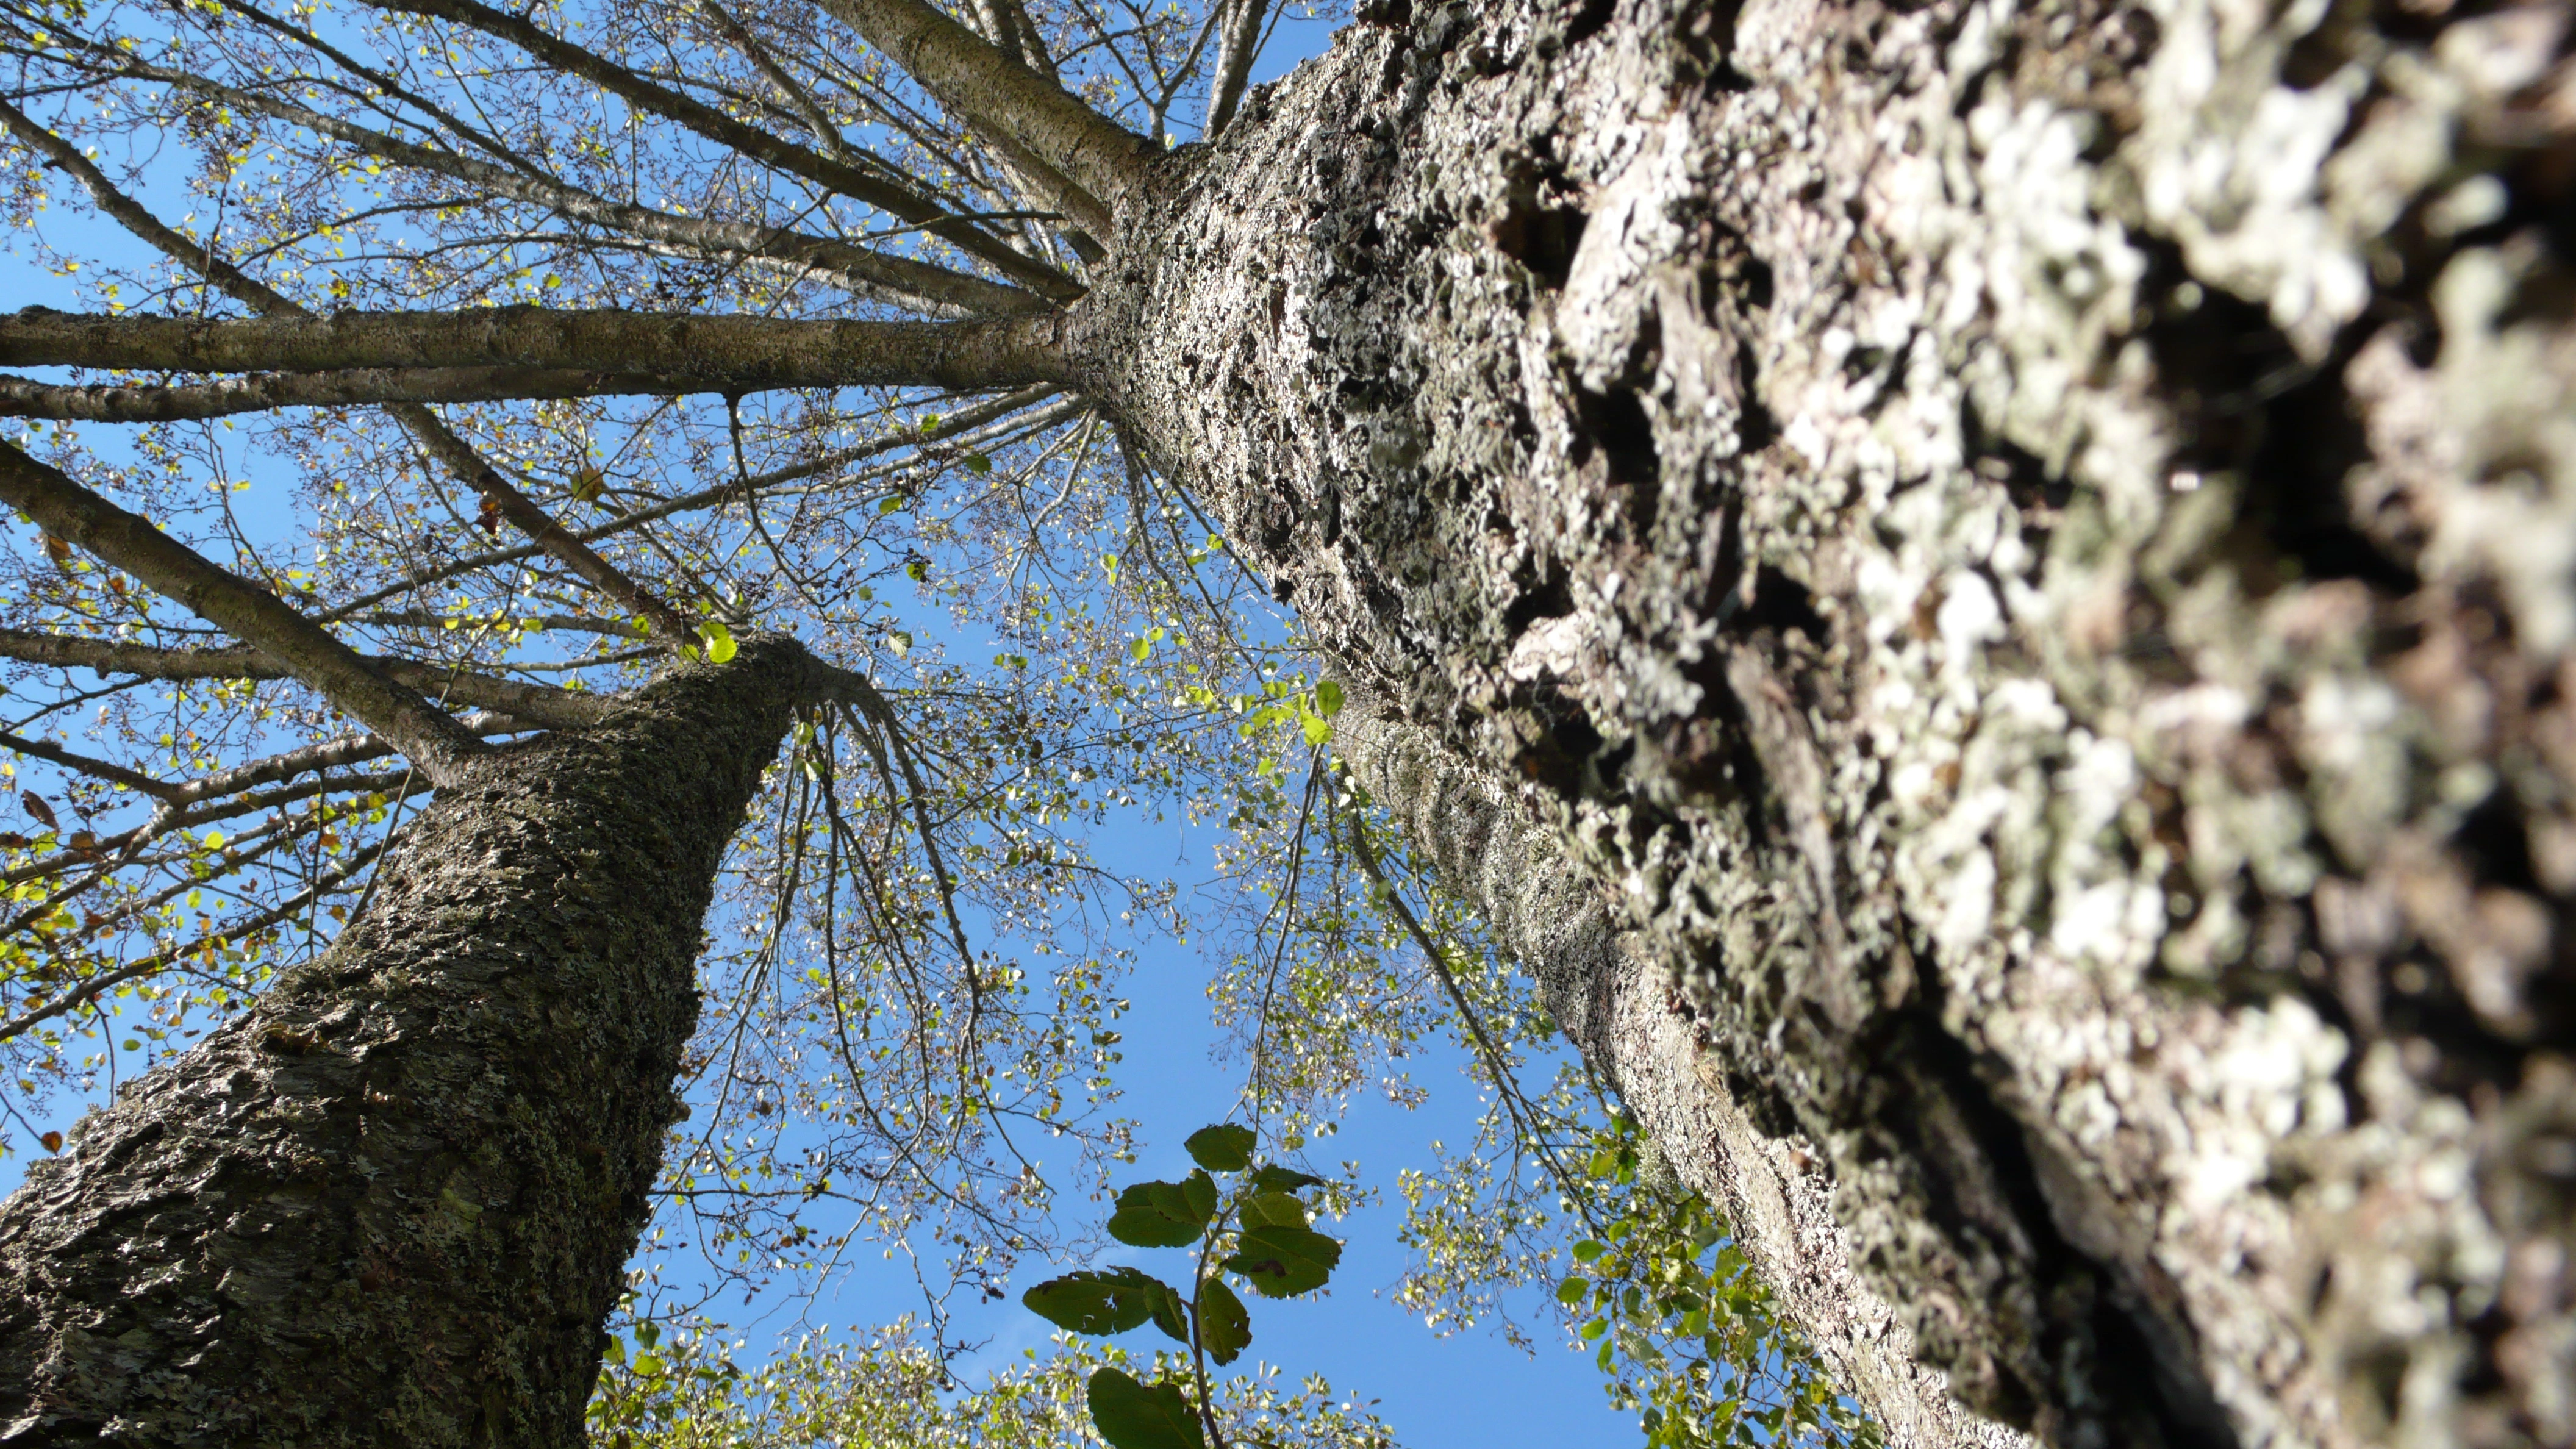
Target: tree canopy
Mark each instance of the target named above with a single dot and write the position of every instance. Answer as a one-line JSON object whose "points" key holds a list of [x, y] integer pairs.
{"points": [[416, 374]]}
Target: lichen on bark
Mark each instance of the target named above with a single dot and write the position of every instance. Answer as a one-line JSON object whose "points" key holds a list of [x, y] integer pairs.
{"points": [[394, 1202], [2027, 550]]}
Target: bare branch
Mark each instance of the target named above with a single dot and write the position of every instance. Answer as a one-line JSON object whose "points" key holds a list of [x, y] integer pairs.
{"points": [[425, 619], [975, 80], [1234, 58], [902, 280], [1075, 204], [243, 609], [96, 769], [750, 140], [22, 397], [331, 754], [730, 353], [961, 429], [125, 212], [535, 703], [91, 989], [423, 425]]}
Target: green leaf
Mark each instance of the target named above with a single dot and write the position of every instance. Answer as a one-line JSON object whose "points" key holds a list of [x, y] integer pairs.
{"points": [[1282, 1179], [1318, 729], [1224, 1328], [1098, 1302], [1571, 1290], [978, 464], [1171, 1311], [1200, 1189], [720, 645], [1133, 1416], [1273, 1209], [1328, 698], [1284, 1262], [1162, 1214], [1221, 1148]]}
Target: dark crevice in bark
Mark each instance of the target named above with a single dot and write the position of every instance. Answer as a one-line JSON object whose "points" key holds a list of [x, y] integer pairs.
{"points": [[1781, 605], [1539, 235], [1541, 598], [2089, 1326], [2037, 489], [2288, 425]]}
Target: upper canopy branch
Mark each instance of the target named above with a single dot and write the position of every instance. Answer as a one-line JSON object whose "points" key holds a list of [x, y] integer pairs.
{"points": [[729, 353], [978, 81], [537, 704], [881, 276], [440, 440], [772, 151], [22, 397], [433, 739]]}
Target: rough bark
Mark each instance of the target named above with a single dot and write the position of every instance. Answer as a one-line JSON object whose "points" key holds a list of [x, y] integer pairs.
{"points": [[2029, 549], [393, 1203], [1613, 999]]}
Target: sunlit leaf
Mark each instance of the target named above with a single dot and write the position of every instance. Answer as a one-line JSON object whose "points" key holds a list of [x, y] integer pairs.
{"points": [[1283, 1262], [1162, 1214], [1111, 1301], [1131, 1415], [1282, 1179], [1224, 1327], [1273, 1209], [1224, 1147]]}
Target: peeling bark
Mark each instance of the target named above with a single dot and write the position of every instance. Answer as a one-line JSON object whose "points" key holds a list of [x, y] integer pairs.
{"points": [[394, 1202], [2028, 551]]}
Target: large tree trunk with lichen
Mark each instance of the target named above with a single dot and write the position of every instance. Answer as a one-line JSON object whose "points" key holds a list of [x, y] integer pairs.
{"points": [[2025, 553], [394, 1202]]}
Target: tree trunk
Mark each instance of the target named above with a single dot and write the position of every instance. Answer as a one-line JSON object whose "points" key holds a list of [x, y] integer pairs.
{"points": [[393, 1203], [1613, 1001], [2027, 551]]}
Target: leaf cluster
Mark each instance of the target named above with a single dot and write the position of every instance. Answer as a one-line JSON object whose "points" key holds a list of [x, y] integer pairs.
{"points": [[1254, 1227]]}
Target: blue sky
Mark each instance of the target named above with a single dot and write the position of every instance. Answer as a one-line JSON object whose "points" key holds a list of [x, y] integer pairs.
{"points": [[1437, 1393]]}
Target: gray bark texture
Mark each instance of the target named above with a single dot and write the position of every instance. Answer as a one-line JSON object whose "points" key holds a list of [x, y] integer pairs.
{"points": [[1615, 1002], [393, 1203], [2025, 552]]}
